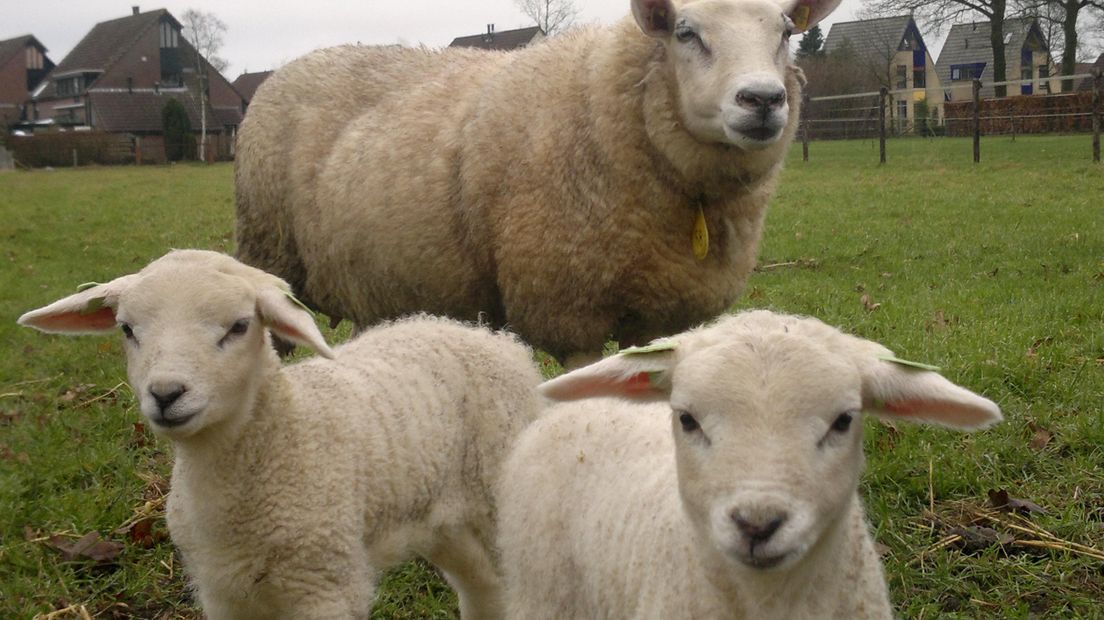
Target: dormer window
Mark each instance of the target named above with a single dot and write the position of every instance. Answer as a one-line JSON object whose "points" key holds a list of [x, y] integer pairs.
{"points": [[34, 58], [170, 37]]}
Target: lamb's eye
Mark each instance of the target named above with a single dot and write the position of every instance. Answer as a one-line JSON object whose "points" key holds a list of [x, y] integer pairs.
{"points": [[127, 331], [238, 328], [842, 423], [689, 424]]}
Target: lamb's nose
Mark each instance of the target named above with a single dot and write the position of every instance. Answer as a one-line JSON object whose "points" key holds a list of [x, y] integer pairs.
{"points": [[759, 528], [166, 393], [761, 98]]}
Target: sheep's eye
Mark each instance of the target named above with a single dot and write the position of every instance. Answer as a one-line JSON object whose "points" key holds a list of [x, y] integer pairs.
{"points": [[238, 328], [127, 331], [685, 34], [788, 28], [842, 423], [689, 424]]}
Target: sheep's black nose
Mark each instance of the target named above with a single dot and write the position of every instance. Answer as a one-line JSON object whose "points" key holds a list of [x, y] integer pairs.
{"points": [[762, 98], [760, 528], [166, 394]]}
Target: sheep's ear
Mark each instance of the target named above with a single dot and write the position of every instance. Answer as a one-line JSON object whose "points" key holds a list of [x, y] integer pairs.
{"points": [[656, 18], [290, 320], [639, 373], [807, 13], [906, 391], [89, 311]]}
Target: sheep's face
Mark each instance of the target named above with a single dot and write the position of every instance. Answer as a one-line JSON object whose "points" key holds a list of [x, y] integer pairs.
{"points": [[729, 59], [193, 349], [194, 327], [768, 438]]}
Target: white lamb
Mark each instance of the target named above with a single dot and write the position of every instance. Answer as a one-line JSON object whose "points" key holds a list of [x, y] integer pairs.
{"points": [[737, 500], [608, 182], [293, 487]]}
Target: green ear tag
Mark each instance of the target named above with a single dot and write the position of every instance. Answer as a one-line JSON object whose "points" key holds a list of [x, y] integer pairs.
{"points": [[897, 360], [94, 305], [295, 300], [655, 347], [87, 285]]}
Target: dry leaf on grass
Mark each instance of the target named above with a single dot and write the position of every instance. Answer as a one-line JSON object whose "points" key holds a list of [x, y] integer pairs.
{"points": [[1040, 437], [90, 546], [1000, 500], [869, 303]]}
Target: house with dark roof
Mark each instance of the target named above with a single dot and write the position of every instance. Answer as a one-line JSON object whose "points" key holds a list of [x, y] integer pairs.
{"points": [[23, 64], [968, 54], [120, 75], [1088, 67], [893, 52], [504, 40], [246, 84]]}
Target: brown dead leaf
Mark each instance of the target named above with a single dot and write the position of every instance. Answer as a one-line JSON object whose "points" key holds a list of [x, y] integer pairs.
{"points": [[143, 533], [978, 537], [90, 546], [1000, 500], [869, 303], [74, 392], [1041, 436]]}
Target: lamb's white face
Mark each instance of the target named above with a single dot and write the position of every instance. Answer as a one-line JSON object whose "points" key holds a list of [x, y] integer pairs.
{"points": [[768, 437], [730, 58], [192, 348]]}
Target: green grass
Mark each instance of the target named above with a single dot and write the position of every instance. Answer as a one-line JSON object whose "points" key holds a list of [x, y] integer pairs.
{"points": [[994, 271]]}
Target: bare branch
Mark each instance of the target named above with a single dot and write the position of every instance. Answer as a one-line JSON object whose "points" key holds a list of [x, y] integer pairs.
{"points": [[551, 16]]}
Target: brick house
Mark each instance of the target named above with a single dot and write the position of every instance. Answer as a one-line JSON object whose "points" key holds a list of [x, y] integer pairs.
{"points": [[120, 75], [503, 41], [23, 64], [247, 83]]}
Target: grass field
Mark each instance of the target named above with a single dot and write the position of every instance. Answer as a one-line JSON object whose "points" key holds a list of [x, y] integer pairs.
{"points": [[994, 271]]}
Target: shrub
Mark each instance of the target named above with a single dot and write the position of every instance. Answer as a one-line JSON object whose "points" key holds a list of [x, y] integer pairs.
{"points": [[179, 141]]}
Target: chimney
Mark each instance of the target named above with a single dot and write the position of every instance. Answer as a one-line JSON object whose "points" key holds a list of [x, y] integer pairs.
{"points": [[134, 9]]}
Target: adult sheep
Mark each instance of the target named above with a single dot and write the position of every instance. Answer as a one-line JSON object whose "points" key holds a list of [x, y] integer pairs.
{"points": [[293, 487], [734, 496], [610, 182]]}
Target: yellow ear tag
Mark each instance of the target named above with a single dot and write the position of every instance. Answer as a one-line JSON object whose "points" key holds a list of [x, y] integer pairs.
{"points": [[701, 236], [800, 17]]}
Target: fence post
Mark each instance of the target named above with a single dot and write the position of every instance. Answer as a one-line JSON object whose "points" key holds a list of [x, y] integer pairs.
{"points": [[977, 120], [804, 126], [74, 158], [138, 150], [882, 96], [1098, 86]]}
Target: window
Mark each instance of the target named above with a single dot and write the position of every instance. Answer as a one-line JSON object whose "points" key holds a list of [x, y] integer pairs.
{"points": [[69, 86], [902, 76], [1025, 73], [919, 77], [956, 73], [902, 109], [1044, 71], [34, 58], [169, 36]]}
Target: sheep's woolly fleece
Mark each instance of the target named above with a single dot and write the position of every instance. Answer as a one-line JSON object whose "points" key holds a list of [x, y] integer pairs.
{"points": [[293, 487], [733, 497], [554, 189]]}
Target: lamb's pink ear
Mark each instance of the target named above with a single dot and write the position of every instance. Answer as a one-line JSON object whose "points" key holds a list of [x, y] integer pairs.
{"points": [[639, 373], [807, 13], [90, 311], [902, 391], [656, 18], [290, 320]]}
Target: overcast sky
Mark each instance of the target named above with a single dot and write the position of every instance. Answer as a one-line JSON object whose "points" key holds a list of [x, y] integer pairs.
{"points": [[265, 34]]}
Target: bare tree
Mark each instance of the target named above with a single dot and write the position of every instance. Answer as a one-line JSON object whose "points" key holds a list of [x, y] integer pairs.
{"points": [[205, 32], [1063, 14], [939, 14], [551, 16]]}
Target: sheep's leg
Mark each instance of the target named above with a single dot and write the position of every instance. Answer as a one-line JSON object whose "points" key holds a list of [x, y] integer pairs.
{"points": [[469, 570]]}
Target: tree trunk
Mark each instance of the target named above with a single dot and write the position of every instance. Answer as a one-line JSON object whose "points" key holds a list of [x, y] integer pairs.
{"points": [[1069, 53], [996, 39]]}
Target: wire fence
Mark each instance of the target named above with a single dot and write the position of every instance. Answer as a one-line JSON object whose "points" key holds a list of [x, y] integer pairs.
{"points": [[903, 112]]}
